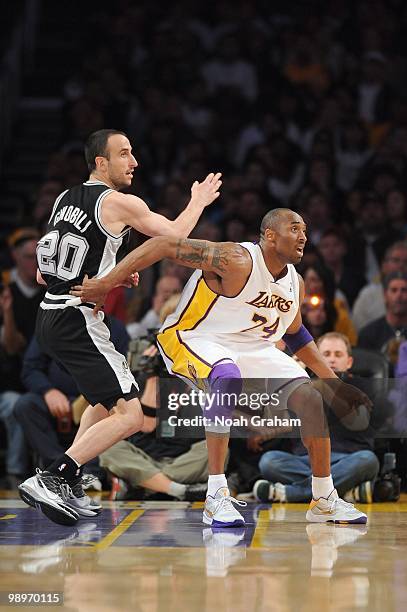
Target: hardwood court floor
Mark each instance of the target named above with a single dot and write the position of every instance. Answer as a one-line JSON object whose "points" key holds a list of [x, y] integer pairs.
{"points": [[159, 557]]}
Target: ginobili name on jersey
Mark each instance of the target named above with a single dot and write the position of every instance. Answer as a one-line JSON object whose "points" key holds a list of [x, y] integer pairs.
{"points": [[74, 215]]}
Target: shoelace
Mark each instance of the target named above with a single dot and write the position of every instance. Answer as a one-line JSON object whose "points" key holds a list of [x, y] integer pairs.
{"points": [[340, 502], [226, 503], [87, 479], [55, 484]]}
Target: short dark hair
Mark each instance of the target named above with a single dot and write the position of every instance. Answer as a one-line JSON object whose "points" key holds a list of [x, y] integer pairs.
{"points": [[393, 276], [272, 219], [96, 146]]}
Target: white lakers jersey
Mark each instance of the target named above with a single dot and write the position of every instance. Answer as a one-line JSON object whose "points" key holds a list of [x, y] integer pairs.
{"points": [[260, 313]]}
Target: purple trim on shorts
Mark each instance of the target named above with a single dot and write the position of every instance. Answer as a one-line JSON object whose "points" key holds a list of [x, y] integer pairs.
{"points": [[190, 350]]}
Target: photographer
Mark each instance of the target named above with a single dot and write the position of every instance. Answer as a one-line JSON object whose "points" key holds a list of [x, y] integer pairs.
{"points": [[170, 465], [354, 464]]}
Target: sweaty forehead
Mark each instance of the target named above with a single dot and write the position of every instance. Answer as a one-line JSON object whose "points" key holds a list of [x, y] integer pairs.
{"points": [[117, 142], [291, 217]]}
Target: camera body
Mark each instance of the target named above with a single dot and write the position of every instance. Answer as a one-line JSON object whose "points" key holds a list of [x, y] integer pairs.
{"points": [[147, 364], [387, 485]]}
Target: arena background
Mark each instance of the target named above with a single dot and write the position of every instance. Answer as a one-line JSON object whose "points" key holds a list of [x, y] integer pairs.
{"points": [[300, 105]]}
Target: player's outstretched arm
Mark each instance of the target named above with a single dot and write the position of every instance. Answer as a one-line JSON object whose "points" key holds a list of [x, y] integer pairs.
{"points": [[342, 397], [132, 210], [221, 258]]}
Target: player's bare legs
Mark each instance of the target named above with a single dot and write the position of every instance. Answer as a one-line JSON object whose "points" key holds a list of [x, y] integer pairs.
{"points": [[92, 415], [217, 444], [126, 420], [307, 404]]}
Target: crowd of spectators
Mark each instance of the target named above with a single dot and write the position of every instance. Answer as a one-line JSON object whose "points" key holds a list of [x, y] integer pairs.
{"points": [[303, 108]]}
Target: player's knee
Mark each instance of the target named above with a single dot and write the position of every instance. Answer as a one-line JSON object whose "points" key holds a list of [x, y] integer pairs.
{"points": [[134, 422], [226, 379], [131, 418], [305, 399]]}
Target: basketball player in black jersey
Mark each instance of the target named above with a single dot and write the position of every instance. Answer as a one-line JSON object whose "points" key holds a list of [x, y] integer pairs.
{"points": [[85, 231]]}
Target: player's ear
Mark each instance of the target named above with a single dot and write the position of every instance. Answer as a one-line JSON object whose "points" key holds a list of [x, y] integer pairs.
{"points": [[270, 235], [101, 162]]}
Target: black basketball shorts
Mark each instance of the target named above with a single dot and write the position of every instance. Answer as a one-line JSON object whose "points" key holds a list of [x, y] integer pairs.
{"points": [[80, 343]]}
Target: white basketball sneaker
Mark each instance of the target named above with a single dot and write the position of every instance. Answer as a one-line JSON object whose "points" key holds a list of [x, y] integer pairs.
{"points": [[220, 512], [334, 510], [49, 493], [80, 502]]}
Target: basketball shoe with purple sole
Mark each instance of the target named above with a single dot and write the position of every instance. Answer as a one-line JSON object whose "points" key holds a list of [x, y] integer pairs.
{"points": [[334, 510], [220, 512]]}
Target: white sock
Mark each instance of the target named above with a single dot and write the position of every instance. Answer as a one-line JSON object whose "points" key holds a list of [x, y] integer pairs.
{"points": [[215, 482], [322, 487], [176, 489]]}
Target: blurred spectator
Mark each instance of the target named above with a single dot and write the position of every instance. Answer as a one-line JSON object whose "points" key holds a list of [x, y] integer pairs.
{"points": [[320, 284], [47, 195], [304, 67], [352, 153], [318, 215], [287, 170], [386, 333], [354, 464], [21, 297], [368, 245], [195, 111], [165, 287], [17, 459], [228, 69], [369, 304], [374, 94], [396, 210], [333, 248], [318, 316]]}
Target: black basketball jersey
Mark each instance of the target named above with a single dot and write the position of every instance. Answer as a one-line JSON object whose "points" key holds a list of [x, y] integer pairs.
{"points": [[76, 242]]}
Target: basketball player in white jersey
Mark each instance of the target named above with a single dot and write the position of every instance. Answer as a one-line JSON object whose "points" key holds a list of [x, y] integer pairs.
{"points": [[85, 231], [240, 301]]}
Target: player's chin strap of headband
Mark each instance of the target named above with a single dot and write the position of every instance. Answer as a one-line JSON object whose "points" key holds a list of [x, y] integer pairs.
{"points": [[297, 341]]}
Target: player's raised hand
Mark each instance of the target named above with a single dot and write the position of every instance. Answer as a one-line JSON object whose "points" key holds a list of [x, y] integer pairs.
{"points": [[206, 192]]}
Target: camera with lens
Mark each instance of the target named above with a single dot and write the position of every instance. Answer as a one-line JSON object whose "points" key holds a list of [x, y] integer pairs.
{"points": [[150, 365], [387, 485]]}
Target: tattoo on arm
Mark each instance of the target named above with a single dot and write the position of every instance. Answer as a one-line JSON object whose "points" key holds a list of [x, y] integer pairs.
{"points": [[220, 259], [199, 253]]}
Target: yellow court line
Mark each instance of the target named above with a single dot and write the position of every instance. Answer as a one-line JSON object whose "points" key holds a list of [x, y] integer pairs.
{"points": [[261, 528], [118, 530], [6, 517]]}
